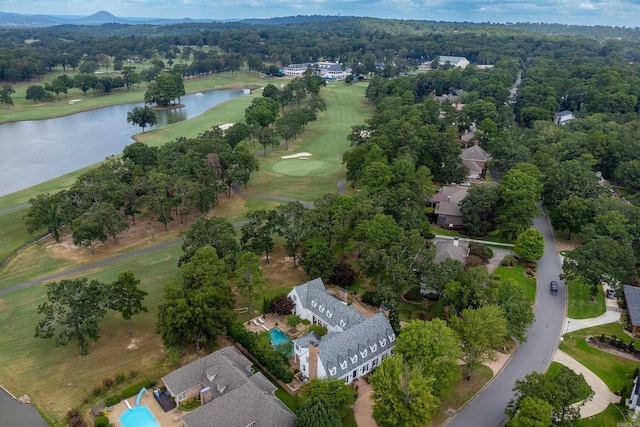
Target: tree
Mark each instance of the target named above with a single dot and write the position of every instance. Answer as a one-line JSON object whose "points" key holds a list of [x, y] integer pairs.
{"points": [[126, 297], [35, 93], [47, 211], [573, 177], [142, 116], [289, 226], [256, 233], [73, 310], [565, 390], [377, 234], [512, 297], [572, 214], [84, 82], [481, 331], [317, 412], [433, 346], [336, 393], [198, 307], [600, 260], [262, 111], [5, 95], [216, 232], [282, 305], [530, 245], [250, 280], [316, 258], [520, 192], [436, 279], [479, 209], [533, 412], [402, 394], [166, 89]]}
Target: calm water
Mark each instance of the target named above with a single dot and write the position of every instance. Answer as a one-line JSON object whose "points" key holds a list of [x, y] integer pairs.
{"points": [[16, 414], [36, 151]]}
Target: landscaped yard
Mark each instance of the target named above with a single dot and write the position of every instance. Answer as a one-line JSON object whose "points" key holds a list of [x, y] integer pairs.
{"points": [[580, 305], [517, 274]]}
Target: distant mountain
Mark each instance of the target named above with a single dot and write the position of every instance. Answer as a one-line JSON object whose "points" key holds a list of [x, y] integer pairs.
{"points": [[16, 20]]}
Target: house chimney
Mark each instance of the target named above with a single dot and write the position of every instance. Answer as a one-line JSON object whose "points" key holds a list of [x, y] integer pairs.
{"points": [[313, 360], [385, 310], [448, 198], [455, 241], [343, 294]]}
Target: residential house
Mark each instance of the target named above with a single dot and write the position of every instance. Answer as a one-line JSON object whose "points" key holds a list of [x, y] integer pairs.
{"points": [[326, 70], [231, 393], [353, 346], [475, 158], [563, 117], [456, 61], [447, 249], [632, 298], [446, 204]]}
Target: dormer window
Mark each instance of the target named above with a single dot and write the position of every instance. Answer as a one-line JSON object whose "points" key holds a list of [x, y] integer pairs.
{"points": [[333, 371], [363, 353], [321, 308], [343, 364], [329, 314], [392, 337], [354, 358], [210, 377], [314, 303], [342, 323], [383, 342], [221, 389], [373, 347]]}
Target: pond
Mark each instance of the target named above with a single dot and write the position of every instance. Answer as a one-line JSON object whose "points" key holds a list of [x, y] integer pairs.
{"points": [[35, 151], [15, 414]]}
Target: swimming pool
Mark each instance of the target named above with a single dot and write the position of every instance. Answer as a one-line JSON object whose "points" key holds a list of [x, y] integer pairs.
{"points": [[278, 337], [138, 416]]}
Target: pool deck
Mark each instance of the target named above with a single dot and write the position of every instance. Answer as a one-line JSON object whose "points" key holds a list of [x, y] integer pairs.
{"points": [[168, 419]]}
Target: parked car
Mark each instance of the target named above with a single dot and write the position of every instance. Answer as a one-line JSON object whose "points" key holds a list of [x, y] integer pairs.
{"points": [[553, 286], [610, 293]]}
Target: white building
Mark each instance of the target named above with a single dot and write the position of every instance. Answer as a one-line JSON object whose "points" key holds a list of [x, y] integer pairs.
{"points": [[327, 70], [353, 346], [563, 117], [456, 61]]}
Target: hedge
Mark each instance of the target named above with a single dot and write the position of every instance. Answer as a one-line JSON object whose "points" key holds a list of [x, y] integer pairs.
{"points": [[101, 421], [113, 400], [134, 389]]}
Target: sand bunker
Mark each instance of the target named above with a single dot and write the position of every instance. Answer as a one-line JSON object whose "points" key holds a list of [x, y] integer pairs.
{"points": [[226, 126], [304, 156]]}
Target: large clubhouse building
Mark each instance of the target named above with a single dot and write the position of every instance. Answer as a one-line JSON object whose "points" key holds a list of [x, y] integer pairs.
{"points": [[353, 346], [326, 70]]}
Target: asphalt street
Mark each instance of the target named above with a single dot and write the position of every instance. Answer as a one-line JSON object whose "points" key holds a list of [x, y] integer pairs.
{"points": [[535, 355]]}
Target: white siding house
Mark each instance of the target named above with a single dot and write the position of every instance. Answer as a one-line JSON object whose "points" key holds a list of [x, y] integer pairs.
{"points": [[327, 70], [353, 346]]}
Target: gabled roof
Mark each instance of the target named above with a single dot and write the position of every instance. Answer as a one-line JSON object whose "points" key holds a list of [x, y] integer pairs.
{"points": [[224, 370], [341, 352], [472, 165], [451, 59], [450, 193], [632, 296], [447, 208], [476, 153], [240, 408], [448, 250], [314, 296], [564, 113]]}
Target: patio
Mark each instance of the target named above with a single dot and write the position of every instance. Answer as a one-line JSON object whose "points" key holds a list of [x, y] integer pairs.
{"points": [[172, 418]]}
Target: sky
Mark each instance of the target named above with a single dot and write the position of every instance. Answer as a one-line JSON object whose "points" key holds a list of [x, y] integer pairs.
{"points": [[622, 13]]}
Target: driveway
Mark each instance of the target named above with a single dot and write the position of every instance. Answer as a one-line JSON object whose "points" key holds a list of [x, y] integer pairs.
{"points": [[487, 408]]}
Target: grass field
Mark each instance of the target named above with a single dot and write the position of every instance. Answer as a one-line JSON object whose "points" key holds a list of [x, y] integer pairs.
{"points": [[516, 274], [36, 367], [580, 305]]}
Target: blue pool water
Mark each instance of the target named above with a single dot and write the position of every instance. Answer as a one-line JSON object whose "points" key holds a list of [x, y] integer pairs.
{"points": [[138, 416], [278, 337]]}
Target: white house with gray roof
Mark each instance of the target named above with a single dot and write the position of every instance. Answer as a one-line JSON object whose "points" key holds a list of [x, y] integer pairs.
{"points": [[354, 344], [231, 393], [327, 70]]}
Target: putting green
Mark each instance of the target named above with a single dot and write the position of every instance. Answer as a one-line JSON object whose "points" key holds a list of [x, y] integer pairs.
{"points": [[298, 167]]}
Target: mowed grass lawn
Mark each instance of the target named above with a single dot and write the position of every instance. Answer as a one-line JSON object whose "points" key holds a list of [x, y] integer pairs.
{"points": [[580, 305], [325, 139]]}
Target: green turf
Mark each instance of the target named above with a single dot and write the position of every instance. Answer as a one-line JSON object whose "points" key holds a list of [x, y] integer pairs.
{"points": [[613, 370], [516, 274], [610, 417], [300, 167], [580, 305]]}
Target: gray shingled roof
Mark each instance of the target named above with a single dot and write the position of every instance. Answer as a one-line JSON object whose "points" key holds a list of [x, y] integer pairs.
{"points": [[448, 208], [356, 345], [314, 296], [632, 296], [445, 250], [241, 407], [475, 153]]}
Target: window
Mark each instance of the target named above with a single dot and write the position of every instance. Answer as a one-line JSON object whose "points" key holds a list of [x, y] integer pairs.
{"points": [[383, 342], [373, 347], [354, 359], [314, 303], [363, 353], [333, 371], [343, 364], [342, 323], [321, 308], [392, 337], [329, 314]]}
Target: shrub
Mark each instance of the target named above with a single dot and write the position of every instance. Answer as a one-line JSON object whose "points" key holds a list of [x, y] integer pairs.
{"points": [[369, 298], [319, 330], [190, 404], [509, 261], [107, 382], [134, 389], [120, 377], [282, 305], [293, 320], [101, 421], [472, 261], [305, 321], [97, 391], [133, 373], [481, 251], [75, 419], [343, 275], [113, 400]]}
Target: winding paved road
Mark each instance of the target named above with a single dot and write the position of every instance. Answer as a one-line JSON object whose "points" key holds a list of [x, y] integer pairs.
{"points": [[487, 408]]}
